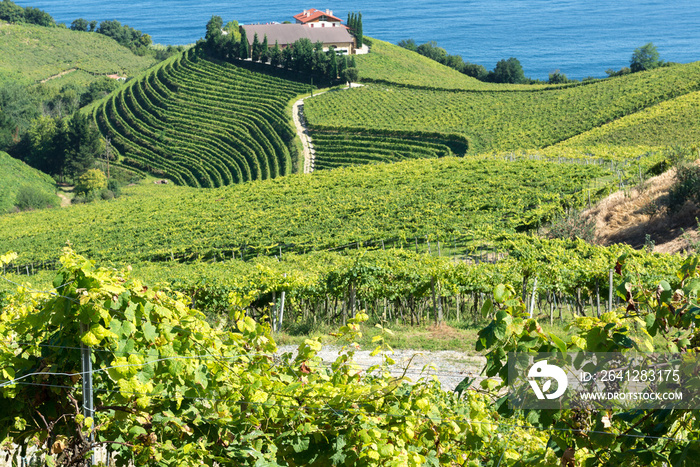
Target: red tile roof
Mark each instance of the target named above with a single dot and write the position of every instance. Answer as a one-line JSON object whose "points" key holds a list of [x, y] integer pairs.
{"points": [[308, 16]]}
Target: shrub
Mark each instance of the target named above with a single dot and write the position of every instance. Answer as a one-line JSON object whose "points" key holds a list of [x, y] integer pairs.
{"points": [[686, 188], [91, 181], [573, 226], [29, 198]]}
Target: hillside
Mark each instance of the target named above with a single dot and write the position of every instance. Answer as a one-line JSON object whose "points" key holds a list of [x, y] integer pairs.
{"points": [[500, 121], [202, 123], [441, 198], [391, 64], [15, 175], [670, 123], [34, 53]]}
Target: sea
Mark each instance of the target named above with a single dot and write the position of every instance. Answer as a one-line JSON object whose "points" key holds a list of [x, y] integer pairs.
{"points": [[580, 38]]}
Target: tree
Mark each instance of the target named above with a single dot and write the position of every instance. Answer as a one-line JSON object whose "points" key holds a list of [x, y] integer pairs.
{"points": [[256, 49], [408, 44], [265, 50], [276, 55], [507, 71], [90, 182], [84, 144], [18, 108], [557, 77], [332, 64], [93, 25], [432, 51], [645, 58], [350, 75], [213, 37], [79, 24], [243, 47], [11, 12], [38, 17], [475, 71]]}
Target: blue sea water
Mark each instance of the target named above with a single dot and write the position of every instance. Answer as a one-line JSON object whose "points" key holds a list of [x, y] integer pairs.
{"points": [[578, 37]]}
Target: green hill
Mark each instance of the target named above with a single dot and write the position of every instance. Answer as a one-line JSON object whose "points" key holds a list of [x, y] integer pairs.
{"points": [[501, 121], [202, 123], [30, 53], [443, 197], [15, 175], [388, 63]]}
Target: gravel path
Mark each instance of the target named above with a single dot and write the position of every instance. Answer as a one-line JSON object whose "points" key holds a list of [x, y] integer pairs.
{"points": [[448, 366], [303, 131]]}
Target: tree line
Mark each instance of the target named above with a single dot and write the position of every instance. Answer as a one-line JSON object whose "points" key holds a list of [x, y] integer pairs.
{"points": [[230, 42], [511, 71]]}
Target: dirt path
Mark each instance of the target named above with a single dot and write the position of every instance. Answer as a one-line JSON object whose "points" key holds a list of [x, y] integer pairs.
{"points": [[303, 131], [58, 75]]}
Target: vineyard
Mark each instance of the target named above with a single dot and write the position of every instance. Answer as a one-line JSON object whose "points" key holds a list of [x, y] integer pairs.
{"points": [[331, 208], [201, 123], [501, 121], [669, 123], [337, 148]]}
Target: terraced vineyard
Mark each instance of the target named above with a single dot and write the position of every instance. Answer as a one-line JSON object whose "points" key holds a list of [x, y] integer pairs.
{"points": [[339, 148], [201, 123], [496, 120]]}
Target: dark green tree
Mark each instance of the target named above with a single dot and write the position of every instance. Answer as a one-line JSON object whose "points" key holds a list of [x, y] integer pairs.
{"points": [[475, 71], [265, 50], [287, 58], [256, 49], [79, 24], [38, 17], [645, 58], [432, 51], [358, 28], [319, 63], [243, 47], [408, 44], [83, 145], [276, 55], [342, 65], [508, 71], [350, 75], [332, 64], [213, 37], [11, 12], [302, 55], [557, 77], [93, 25]]}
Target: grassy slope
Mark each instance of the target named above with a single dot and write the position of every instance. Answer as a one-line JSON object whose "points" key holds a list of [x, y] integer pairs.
{"points": [[327, 209], [390, 63], [503, 120], [32, 53], [14, 174]]}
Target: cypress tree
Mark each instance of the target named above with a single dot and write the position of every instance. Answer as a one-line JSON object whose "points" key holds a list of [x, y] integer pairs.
{"points": [[243, 48], [276, 55], [265, 50], [358, 30], [257, 51], [333, 65]]}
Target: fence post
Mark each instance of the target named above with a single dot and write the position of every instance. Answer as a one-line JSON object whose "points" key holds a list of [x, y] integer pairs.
{"points": [[281, 313], [86, 364], [610, 294], [532, 299]]}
